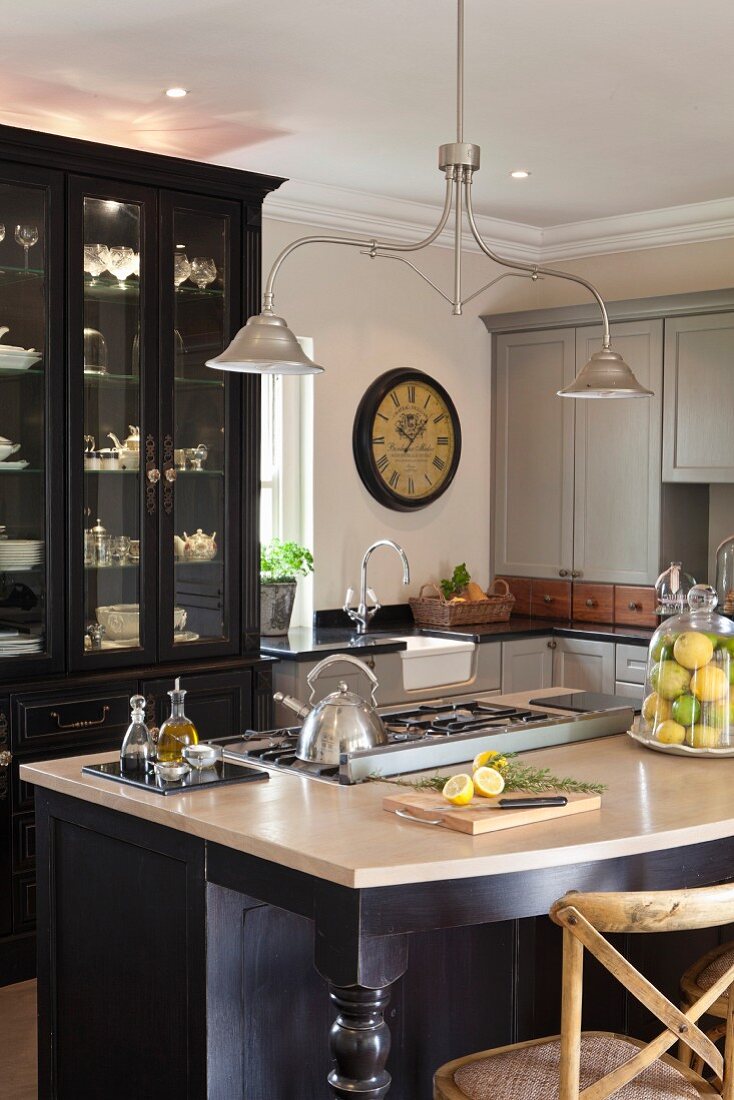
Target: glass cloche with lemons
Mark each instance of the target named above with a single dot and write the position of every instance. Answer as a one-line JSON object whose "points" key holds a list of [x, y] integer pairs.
{"points": [[688, 690]]}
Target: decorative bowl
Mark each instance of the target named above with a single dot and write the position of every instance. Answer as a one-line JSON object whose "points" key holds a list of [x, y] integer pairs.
{"points": [[202, 755]]}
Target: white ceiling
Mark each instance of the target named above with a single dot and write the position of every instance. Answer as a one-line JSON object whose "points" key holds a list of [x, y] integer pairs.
{"points": [[615, 107]]}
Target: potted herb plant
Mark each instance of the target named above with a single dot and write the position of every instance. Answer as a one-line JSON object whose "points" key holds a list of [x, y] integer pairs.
{"points": [[281, 563]]}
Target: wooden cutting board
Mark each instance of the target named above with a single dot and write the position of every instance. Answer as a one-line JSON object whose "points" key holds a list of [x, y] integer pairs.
{"points": [[483, 815]]}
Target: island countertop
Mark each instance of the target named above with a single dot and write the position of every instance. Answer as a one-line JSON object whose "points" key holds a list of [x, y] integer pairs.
{"points": [[654, 802]]}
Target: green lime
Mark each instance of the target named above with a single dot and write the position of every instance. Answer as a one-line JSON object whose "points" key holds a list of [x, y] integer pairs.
{"points": [[686, 710], [662, 648]]}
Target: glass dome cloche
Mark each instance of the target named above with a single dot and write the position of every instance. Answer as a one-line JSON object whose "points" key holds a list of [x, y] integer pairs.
{"points": [[671, 591], [688, 689]]}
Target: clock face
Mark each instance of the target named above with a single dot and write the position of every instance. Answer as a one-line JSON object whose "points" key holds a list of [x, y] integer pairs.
{"points": [[407, 439]]}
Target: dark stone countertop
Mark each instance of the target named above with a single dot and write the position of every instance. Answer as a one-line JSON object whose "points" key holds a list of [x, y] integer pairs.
{"points": [[307, 643]]}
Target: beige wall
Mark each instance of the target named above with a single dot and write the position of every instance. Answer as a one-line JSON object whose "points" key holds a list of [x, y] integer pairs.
{"points": [[369, 316]]}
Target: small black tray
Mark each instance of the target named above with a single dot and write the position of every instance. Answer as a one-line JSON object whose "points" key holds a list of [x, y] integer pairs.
{"points": [[217, 776]]}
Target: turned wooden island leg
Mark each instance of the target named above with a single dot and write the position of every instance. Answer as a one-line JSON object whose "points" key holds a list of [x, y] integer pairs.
{"points": [[360, 1043]]}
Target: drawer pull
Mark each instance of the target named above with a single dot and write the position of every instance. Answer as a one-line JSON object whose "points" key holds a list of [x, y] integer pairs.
{"points": [[590, 602], [634, 606], [83, 724], [551, 644], [547, 599]]}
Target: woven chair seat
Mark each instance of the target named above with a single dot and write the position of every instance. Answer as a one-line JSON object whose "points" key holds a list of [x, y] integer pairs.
{"points": [[531, 1073], [718, 966]]}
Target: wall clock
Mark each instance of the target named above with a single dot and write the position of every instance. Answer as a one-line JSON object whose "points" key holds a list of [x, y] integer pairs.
{"points": [[406, 439]]}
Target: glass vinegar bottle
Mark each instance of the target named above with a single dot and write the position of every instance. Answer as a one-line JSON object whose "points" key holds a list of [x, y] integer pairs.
{"points": [[137, 748], [178, 731]]}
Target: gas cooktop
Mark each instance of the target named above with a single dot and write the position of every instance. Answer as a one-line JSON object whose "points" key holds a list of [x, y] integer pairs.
{"points": [[431, 735]]}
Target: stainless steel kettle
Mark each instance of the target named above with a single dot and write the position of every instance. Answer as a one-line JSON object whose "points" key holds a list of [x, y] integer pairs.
{"points": [[342, 722]]}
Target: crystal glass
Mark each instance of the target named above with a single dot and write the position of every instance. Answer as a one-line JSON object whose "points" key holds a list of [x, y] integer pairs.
{"points": [[119, 549], [199, 457], [27, 236], [181, 268], [688, 695], [121, 262], [671, 589], [203, 271], [96, 258], [95, 353]]}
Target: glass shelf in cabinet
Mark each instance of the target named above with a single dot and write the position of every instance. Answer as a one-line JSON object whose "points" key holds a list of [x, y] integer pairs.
{"points": [[105, 378], [191, 293], [17, 372], [181, 381], [26, 470], [110, 290], [107, 472], [198, 473], [12, 276], [112, 566]]}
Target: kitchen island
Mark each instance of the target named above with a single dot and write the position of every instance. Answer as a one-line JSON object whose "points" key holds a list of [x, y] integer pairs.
{"points": [[190, 945]]}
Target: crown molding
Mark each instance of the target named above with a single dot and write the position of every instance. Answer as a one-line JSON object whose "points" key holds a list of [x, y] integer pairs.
{"points": [[342, 210]]}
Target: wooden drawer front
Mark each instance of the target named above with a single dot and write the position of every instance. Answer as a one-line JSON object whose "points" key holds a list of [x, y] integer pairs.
{"points": [[24, 842], [521, 588], [551, 599], [634, 606], [593, 603], [42, 721], [631, 663], [24, 901]]}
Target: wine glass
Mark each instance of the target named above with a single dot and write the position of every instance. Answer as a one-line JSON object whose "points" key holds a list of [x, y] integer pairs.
{"points": [[96, 258], [121, 262], [27, 236], [181, 268], [203, 271]]}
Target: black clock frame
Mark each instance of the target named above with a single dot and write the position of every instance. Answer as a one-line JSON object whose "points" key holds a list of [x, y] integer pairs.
{"points": [[362, 438]]}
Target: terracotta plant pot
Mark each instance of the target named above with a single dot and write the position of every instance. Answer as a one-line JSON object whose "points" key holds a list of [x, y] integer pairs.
{"points": [[276, 608]]}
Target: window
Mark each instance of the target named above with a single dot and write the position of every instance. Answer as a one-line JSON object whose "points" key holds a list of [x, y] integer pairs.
{"points": [[286, 468]]}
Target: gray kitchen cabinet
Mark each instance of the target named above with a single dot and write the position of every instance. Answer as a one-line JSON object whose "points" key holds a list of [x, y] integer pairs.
{"points": [[527, 664], [698, 442], [577, 483], [533, 486], [616, 518], [584, 664]]}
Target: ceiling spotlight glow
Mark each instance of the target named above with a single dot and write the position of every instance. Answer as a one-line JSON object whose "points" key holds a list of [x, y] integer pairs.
{"points": [[520, 174], [176, 93]]}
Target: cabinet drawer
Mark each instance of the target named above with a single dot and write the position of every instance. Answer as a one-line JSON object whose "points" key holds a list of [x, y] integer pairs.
{"points": [[23, 793], [631, 663], [551, 599], [24, 901], [24, 842], [593, 603], [630, 691], [521, 588], [48, 720], [634, 606]]}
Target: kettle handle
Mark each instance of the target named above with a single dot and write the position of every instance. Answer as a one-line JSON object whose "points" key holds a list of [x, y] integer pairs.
{"points": [[334, 659]]}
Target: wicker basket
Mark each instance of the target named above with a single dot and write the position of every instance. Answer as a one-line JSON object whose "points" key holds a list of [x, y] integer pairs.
{"points": [[436, 610]]}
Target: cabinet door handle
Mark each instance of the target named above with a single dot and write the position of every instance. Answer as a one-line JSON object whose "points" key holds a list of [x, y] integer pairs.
{"points": [[154, 476], [551, 644], [590, 602], [82, 724], [563, 572], [170, 475], [152, 473], [5, 758], [634, 606], [547, 598], [576, 573]]}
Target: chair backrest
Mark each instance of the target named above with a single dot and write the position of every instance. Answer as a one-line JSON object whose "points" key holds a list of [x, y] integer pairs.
{"points": [[583, 918]]}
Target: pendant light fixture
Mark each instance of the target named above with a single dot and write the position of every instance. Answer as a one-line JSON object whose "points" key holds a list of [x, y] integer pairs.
{"points": [[267, 346]]}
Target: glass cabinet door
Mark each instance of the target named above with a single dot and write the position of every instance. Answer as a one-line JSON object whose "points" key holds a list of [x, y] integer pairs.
{"points": [[114, 459], [200, 286], [31, 413]]}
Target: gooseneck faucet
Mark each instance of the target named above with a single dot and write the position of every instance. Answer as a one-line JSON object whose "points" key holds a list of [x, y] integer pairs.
{"points": [[363, 614]]}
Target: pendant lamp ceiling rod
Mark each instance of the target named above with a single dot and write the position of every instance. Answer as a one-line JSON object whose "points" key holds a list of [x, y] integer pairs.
{"points": [[267, 346]]}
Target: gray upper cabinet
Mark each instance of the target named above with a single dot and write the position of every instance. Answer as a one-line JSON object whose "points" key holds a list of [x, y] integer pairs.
{"points": [[616, 526], [577, 483], [698, 442], [533, 486]]}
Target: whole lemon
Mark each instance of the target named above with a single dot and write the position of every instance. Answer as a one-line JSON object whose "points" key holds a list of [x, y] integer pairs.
{"points": [[655, 708], [709, 683], [670, 679], [670, 732], [705, 737], [693, 649]]}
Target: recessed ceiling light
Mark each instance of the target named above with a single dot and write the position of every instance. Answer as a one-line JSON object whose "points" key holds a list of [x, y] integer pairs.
{"points": [[176, 93], [520, 174]]}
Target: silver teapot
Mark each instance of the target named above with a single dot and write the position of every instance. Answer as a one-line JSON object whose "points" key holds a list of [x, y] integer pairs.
{"points": [[342, 722]]}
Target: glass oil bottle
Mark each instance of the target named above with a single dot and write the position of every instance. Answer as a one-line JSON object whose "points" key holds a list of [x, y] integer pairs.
{"points": [[178, 731]]}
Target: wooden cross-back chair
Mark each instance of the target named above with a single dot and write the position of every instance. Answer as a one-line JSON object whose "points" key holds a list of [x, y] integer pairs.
{"points": [[597, 1065]]}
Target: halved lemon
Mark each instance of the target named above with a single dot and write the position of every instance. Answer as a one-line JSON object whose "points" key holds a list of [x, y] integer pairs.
{"points": [[488, 782], [459, 790], [482, 759]]}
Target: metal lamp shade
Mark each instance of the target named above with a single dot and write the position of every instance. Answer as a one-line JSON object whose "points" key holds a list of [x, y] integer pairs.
{"points": [[605, 375], [265, 346]]}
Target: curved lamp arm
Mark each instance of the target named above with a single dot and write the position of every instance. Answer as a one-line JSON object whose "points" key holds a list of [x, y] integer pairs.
{"points": [[534, 268], [371, 245]]}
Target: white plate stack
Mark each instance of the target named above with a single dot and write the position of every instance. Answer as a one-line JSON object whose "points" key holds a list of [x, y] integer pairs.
{"points": [[20, 553], [17, 645]]}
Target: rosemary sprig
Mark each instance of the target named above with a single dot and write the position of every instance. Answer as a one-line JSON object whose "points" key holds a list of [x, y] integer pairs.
{"points": [[517, 776]]}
